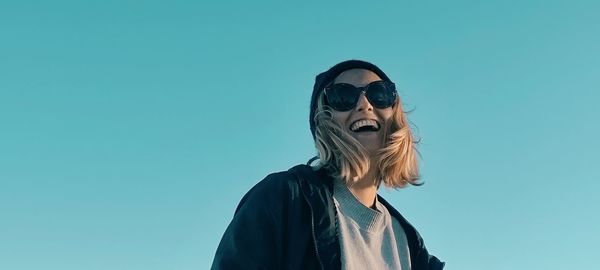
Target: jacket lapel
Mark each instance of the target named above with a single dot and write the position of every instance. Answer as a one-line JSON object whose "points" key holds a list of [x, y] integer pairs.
{"points": [[316, 187]]}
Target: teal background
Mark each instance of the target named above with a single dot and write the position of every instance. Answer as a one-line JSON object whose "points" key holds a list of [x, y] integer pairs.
{"points": [[129, 130]]}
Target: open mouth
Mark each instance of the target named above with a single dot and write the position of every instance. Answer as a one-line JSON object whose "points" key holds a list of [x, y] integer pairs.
{"points": [[364, 125]]}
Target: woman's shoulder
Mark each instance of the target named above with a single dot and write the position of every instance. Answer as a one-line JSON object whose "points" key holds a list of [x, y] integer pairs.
{"points": [[416, 242], [278, 186], [292, 176], [281, 180]]}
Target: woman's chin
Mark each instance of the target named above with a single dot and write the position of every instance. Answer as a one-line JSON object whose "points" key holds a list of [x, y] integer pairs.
{"points": [[371, 142]]}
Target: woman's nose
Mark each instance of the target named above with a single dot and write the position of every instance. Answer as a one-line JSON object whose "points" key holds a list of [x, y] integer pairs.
{"points": [[363, 103]]}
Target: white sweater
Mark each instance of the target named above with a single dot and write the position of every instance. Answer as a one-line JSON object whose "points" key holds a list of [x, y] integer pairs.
{"points": [[369, 238]]}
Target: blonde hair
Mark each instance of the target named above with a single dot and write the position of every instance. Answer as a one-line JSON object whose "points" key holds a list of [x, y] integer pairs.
{"points": [[347, 159]]}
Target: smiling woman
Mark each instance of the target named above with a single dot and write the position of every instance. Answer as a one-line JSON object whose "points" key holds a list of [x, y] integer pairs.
{"points": [[358, 122], [329, 215]]}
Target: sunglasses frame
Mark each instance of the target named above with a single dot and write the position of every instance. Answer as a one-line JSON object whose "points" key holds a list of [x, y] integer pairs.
{"points": [[360, 91]]}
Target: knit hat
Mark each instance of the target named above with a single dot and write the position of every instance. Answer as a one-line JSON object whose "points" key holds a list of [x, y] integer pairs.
{"points": [[328, 76]]}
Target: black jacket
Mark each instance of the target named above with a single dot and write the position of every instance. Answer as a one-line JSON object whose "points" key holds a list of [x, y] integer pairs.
{"points": [[288, 221]]}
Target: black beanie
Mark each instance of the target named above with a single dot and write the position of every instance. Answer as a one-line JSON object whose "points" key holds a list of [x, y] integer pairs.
{"points": [[328, 76]]}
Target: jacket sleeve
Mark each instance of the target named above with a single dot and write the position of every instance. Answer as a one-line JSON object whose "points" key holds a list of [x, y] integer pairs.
{"points": [[253, 238], [435, 263], [426, 261]]}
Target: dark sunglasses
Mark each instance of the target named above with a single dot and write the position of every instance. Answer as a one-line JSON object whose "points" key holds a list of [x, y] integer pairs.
{"points": [[343, 97]]}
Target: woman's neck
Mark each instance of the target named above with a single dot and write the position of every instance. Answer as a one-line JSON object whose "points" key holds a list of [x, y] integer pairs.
{"points": [[365, 189]]}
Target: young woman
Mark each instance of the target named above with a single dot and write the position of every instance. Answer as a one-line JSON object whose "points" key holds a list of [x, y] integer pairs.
{"points": [[329, 216]]}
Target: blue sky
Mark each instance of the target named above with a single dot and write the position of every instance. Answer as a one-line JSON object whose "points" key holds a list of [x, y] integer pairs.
{"points": [[129, 130]]}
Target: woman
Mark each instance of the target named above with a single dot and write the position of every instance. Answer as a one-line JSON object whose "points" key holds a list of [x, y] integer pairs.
{"points": [[329, 216]]}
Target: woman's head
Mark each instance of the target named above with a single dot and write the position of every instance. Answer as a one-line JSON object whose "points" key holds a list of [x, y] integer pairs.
{"points": [[363, 121], [358, 122]]}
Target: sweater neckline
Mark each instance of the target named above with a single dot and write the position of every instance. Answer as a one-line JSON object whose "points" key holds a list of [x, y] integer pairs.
{"points": [[367, 219]]}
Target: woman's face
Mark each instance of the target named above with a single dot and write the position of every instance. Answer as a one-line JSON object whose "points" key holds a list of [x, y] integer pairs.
{"points": [[364, 113]]}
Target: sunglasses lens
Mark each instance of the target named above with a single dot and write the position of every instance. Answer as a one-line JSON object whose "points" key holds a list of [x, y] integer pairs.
{"points": [[342, 97], [381, 95]]}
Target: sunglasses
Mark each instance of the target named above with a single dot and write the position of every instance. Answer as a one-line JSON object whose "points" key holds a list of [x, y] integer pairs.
{"points": [[344, 97]]}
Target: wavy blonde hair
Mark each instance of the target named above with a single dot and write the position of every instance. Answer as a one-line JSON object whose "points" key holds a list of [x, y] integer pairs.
{"points": [[347, 159]]}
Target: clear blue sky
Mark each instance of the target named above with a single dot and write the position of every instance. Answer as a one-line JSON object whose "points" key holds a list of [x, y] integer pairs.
{"points": [[130, 130]]}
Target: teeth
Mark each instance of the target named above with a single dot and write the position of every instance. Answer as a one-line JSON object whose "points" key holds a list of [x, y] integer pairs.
{"points": [[362, 123]]}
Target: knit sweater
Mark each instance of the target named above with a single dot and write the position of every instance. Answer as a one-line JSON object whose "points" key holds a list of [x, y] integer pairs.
{"points": [[369, 238]]}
